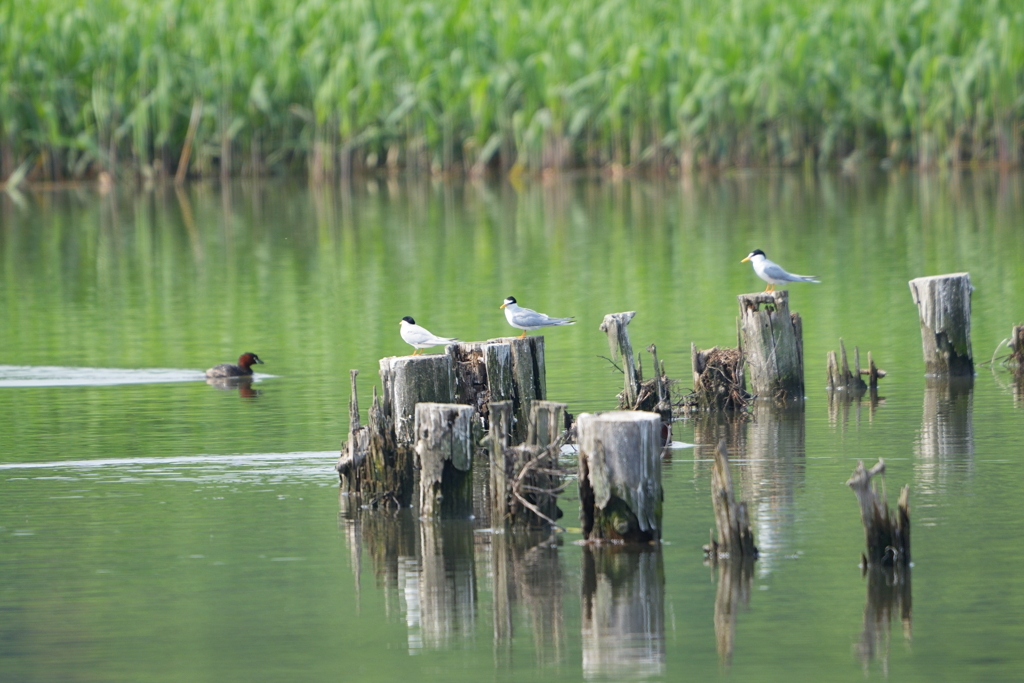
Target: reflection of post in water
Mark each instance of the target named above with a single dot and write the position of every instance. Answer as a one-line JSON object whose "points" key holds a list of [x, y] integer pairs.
{"points": [[389, 537], [734, 581], [526, 572], [623, 611], [888, 592], [441, 596], [945, 444]]}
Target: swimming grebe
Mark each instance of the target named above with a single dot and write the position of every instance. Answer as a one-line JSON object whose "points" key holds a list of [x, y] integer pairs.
{"points": [[243, 369]]}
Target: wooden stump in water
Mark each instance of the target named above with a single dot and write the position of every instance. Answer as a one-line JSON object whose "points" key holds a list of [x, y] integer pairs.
{"points": [[718, 379], [503, 369], [483, 374], [944, 307], [887, 535], [525, 481], [444, 446], [771, 340], [1017, 350], [408, 380], [614, 325], [839, 376], [735, 540], [357, 447], [620, 476]]}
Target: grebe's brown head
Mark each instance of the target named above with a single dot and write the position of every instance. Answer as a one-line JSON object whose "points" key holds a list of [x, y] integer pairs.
{"points": [[246, 360]]}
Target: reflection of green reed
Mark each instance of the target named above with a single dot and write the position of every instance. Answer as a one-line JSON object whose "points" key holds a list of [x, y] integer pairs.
{"points": [[322, 86], [315, 282]]}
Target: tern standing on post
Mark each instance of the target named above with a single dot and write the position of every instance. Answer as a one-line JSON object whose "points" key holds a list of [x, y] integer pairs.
{"points": [[772, 272]]}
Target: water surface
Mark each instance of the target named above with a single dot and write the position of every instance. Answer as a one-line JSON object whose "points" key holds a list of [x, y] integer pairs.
{"points": [[155, 527]]}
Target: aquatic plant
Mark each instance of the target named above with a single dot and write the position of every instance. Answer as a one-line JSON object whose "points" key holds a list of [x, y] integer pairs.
{"points": [[202, 87]]}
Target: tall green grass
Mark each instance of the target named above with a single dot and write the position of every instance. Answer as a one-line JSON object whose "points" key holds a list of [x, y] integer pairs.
{"points": [[334, 86]]}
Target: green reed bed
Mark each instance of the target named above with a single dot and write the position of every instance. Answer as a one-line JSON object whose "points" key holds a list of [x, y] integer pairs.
{"points": [[328, 86]]}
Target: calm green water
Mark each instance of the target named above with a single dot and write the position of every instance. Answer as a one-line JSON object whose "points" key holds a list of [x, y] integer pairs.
{"points": [[156, 528]]}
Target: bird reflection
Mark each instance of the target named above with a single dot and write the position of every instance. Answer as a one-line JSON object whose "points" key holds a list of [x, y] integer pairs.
{"points": [[242, 384]]}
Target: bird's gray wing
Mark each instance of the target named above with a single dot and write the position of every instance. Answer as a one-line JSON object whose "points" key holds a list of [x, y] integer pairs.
{"points": [[776, 272]]}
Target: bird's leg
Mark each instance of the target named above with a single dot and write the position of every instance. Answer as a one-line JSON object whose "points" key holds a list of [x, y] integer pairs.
{"points": [[768, 288], [523, 335]]}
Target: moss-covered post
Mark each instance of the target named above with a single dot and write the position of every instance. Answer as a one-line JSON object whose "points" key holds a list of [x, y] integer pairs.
{"points": [[620, 476]]}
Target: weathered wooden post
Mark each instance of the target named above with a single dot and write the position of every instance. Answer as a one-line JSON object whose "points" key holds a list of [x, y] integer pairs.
{"points": [[771, 340], [614, 325], [623, 612], [840, 378], [1017, 350], [408, 380], [944, 307], [735, 540], [887, 536], [507, 368], [718, 379], [356, 448], [620, 475], [524, 478], [444, 446]]}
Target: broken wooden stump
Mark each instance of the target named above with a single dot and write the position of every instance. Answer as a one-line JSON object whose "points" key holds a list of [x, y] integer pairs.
{"points": [[408, 380], [735, 540], [525, 479], [356, 448], [718, 379], [623, 612], [887, 535], [503, 369], [637, 394], [839, 376], [444, 447], [771, 341], [620, 476], [1017, 350], [944, 307]]}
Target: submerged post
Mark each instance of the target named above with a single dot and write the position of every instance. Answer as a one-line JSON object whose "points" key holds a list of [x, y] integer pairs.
{"points": [[944, 307], [735, 540], [620, 476], [839, 376], [887, 536], [444, 447], [771, 340]]}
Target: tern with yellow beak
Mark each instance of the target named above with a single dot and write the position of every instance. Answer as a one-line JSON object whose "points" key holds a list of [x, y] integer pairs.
{"points": [[526, 319], [772, 273]]}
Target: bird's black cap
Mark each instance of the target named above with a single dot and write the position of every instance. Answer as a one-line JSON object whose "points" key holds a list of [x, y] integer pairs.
{"points": [[409, 320], [510, 299], [756, 252]]}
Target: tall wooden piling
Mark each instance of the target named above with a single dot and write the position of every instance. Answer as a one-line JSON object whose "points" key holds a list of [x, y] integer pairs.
{"points": [[620, 475], [944, 308], [887, 535], [444, 448], [771, 340]]}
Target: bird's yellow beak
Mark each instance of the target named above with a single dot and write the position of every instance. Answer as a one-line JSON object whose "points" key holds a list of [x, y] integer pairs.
{"points": [[502, 306], [745, 260]]}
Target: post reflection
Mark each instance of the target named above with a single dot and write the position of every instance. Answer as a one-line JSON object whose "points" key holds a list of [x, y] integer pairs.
{"points": [[425, 568], [888, 592], [732, 595], [526, 572], [945, 443], [623, 612]]}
